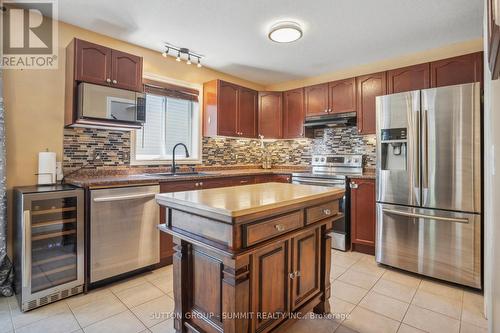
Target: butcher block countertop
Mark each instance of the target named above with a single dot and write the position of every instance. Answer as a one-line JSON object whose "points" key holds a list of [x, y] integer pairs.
{"points": [[248, 199]]}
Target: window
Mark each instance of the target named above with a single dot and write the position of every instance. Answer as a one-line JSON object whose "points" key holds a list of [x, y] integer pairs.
{"points": [[169, 120]]}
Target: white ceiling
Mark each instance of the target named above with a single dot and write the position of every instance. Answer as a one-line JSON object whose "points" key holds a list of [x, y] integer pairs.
{"points": [[232, 34]]}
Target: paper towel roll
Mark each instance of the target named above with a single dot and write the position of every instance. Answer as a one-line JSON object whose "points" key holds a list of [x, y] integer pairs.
{"points": [[46, 167]]}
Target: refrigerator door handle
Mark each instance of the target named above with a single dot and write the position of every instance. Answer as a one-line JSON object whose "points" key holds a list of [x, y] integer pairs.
{"points": [[425, 151], [416, 159], [432, 217]]}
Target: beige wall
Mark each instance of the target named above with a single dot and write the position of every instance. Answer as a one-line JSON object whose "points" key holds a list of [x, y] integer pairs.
{"points": [[34, 102], [379, 66]]}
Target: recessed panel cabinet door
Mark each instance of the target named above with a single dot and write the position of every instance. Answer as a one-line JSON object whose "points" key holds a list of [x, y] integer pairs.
{"points": [[126, 71], [247, 113], [363, 211], [306, 249], [228, 109], [270, 115], [293, 113], [457, 70], [93, 62], [342, 95], [408, 78], [316, 100], [270, 268], [369, 87]]}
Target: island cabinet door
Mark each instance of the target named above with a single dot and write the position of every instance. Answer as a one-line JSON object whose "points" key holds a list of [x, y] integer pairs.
{"points": [[270, 276], [305, 277]]}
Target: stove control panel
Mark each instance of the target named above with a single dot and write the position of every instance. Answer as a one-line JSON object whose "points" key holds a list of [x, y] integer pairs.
{"points": [[354, 161]]}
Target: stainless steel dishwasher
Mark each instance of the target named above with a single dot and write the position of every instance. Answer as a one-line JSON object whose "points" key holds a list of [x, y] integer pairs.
{"points": [[123, 230]]}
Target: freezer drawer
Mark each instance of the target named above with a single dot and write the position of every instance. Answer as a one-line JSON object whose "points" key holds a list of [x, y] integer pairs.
{"points": [[123, 230], [441, 244]]}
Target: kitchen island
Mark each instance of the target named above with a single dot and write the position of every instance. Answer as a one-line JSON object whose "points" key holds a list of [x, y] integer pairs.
{"points": [[250, 258]]}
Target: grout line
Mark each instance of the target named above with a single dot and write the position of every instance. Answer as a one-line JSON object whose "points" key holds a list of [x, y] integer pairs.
{"points": [[408, 308]]}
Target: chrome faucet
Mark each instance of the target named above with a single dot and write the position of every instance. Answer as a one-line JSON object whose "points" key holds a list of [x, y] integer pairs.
{"points": [[174, 167]]}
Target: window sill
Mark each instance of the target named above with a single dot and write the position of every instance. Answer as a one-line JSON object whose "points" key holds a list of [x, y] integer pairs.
{"points": [[179, 161]]}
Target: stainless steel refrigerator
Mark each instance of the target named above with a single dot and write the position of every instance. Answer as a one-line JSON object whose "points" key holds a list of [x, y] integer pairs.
{"points": [[429, 182]]}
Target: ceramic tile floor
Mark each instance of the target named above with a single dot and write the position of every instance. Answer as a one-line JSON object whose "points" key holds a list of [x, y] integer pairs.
{"points": [[365, 298]]}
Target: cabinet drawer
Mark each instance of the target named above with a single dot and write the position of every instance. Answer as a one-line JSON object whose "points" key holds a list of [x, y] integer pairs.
{"points": [[317, 213], [254, 233]]}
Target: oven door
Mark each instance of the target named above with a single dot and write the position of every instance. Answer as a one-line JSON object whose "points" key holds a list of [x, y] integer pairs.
{"points": [[340, 235]]}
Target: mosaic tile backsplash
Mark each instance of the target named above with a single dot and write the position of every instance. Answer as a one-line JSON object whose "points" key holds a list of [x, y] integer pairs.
{"points": [[81, 145]]}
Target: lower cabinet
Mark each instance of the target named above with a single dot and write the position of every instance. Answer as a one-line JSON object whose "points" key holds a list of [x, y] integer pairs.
{"points": [[363, 215], [305, 267], [166, 242]]}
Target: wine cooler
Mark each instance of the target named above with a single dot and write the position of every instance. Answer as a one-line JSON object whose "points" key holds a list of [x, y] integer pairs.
{"points": [[48, 249]]}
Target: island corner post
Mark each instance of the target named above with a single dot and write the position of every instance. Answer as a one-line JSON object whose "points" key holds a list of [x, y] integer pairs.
{"points": [[244, 266]]}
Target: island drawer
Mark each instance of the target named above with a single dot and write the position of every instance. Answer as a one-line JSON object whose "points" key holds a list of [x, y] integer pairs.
{"points": [[257, 232], [319, 212]]}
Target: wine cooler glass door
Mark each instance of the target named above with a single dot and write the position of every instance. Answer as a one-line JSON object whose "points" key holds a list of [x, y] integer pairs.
{"points": [[53, 242]]}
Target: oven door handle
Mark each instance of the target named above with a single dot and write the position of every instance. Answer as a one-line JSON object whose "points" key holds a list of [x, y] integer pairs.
{"points": [[318, 182]]}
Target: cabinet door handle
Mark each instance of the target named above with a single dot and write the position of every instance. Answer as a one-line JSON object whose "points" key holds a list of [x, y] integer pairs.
{"points": [[327, 211], [115, 82], [108, 80], [326, 110], [329, 110], [297, 273], [354, 185], [291, 275], [279, 227], [197, 184], [243, 181], [201, 183]]}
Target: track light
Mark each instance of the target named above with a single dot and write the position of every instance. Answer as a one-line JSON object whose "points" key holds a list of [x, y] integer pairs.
{"points": [[180, 52]]}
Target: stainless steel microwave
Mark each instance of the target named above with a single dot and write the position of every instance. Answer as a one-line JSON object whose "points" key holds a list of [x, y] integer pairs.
{"points": [[111, 104]]}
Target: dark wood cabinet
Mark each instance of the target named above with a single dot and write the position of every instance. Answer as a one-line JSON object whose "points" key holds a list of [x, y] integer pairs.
{"points": [[229, 110], [247, 113], [273, 179], [271, 115], [342, 96], [271, 267], [316, 100], [457, 70], [363, 215], [306, 249], [293, 114], [408, 78], [368, 88], [126, 71], [93, 62], [101, 65], [493, 39]]}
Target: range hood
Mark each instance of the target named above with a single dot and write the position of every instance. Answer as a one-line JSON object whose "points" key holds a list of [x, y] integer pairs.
{"points": [[331, 120]]}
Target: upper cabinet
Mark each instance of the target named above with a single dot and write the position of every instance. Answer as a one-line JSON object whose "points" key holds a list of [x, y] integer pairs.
{"points": [[334, 97], [271, 115], [229, 110], [493, 38], [293, 113], [408, 78], [457, 70], [316, 100], [369, 87], [342, 96], [101, 65]]}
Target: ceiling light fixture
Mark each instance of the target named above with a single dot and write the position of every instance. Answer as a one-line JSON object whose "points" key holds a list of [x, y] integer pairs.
{"points": [[285, 32], [182, 52]]}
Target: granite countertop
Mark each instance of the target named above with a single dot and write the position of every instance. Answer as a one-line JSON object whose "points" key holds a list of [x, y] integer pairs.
{"points": [[107, 179], [247, 199]]}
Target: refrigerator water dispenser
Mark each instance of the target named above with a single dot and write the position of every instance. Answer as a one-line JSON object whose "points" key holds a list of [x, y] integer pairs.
{"points": [[394, 149]]}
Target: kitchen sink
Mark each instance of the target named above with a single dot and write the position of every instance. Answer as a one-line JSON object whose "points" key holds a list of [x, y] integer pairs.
{"points": [[177, 174]]}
